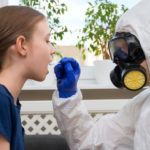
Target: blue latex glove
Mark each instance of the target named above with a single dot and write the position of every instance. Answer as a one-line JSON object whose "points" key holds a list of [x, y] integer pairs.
{"points": [[67, 72]]}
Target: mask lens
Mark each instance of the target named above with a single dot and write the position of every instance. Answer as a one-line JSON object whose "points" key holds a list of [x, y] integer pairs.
{"points": [[118, 49]]}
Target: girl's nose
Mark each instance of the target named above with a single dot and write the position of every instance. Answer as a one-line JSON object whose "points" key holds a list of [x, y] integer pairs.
{"points": [[52, 49], [52, 52]]}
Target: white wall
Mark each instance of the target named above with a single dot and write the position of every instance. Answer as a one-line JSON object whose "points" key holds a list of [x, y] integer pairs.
{"points": [[3, 2], [8, 2], [13, 2]]}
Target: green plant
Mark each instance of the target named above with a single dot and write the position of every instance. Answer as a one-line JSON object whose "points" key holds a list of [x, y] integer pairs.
{"points": [[52, 9], [100, 20]]}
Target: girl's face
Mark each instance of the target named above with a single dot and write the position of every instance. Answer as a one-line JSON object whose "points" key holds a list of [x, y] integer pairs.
{"points": [[40, 51]]}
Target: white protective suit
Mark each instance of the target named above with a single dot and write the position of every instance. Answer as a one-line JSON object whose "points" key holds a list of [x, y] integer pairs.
{"points": [[129, 129]]}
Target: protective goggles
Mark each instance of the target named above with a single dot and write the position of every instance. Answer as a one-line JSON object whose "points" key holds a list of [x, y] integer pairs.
{"points": [[125, 47]]}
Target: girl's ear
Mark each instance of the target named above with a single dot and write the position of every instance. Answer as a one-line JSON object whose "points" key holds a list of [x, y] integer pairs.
{"points": [[21, 45]]}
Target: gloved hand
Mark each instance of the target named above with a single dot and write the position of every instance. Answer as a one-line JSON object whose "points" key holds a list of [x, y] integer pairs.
{"points": [[67, 72]]}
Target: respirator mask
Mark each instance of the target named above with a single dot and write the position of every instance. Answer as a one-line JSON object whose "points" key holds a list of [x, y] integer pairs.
{"points": [[126, 52]]}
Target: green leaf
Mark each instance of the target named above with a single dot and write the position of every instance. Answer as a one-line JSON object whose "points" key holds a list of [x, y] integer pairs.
{"points": [[49, 5], [84, 57], [59, 54], [90, 3], [56, 20]]}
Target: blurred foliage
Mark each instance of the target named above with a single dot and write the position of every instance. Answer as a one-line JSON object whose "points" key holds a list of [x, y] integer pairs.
{"points": [[100, 20]]}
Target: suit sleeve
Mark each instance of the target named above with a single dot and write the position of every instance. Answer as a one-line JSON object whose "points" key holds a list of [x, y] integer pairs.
{"points": [[79, 129]]}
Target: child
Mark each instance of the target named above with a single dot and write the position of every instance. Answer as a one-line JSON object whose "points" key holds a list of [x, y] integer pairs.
{"points": [[25, 53], [128, 129]]}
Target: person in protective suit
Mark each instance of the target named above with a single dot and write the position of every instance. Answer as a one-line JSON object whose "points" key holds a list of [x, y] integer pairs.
{"points": [[128, 129]]}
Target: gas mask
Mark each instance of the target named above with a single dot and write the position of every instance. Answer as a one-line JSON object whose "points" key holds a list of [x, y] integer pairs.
{"points": [[126, 52]]}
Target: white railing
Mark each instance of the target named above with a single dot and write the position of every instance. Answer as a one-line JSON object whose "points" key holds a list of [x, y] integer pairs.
{"points": [[37, 116]]}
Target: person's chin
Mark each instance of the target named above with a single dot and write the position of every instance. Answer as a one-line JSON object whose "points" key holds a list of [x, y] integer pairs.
{"points": [[41, 78], [47, 71], [41, 75]]}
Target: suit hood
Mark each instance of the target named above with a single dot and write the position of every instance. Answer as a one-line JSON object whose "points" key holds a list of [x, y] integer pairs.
{"points": [[137, 22]]}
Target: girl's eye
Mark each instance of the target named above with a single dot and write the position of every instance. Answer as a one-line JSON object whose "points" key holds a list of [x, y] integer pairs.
{"points": [[47, 41]]}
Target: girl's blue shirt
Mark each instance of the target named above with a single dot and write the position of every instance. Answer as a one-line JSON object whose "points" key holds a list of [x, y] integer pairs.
{"points": [[10, 121]]}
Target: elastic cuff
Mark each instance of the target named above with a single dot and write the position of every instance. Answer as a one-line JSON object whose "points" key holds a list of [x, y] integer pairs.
{"points": [[67, 95]]}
